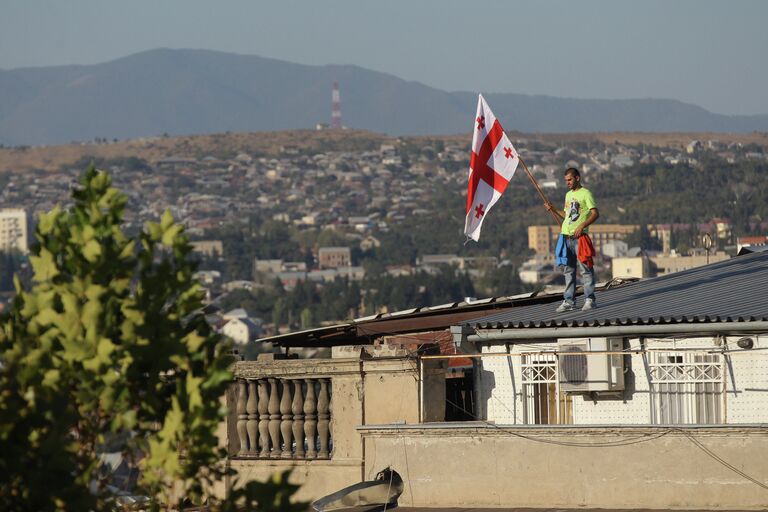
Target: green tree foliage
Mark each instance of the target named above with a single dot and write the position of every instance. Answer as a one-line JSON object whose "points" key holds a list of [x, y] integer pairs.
{"points": [[308, 303], [331, 238], [503, 281], [419, 290], [108, 347], [258, 238], [665, 193]]}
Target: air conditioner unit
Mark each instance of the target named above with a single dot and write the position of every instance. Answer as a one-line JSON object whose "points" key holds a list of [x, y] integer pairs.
{"points": [[584, 372]]}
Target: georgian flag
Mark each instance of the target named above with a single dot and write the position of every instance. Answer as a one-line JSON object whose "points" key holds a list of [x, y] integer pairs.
{"points": [[493, 162]]}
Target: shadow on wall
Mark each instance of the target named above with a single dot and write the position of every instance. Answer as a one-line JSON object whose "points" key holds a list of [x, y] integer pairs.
{"points": [[486, 383]]}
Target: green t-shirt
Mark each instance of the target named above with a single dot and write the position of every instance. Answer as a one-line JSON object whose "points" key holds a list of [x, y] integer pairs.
{"points": [[576, 209]]}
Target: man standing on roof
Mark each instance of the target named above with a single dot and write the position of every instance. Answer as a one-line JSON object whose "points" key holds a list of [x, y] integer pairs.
{"points": [[574, 247]]}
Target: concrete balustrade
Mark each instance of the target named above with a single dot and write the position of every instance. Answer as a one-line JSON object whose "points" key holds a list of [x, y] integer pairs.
{"points": [[304, 414], [283, 418]]}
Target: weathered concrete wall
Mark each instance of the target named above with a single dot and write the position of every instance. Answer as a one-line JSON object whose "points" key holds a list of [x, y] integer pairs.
{"points": [[347, 405], [391, 391], [317, 478], [571, 467]]}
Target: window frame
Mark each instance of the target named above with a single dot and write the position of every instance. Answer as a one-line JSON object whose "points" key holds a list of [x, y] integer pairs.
{"points": [[541, 392], [687, 387]]}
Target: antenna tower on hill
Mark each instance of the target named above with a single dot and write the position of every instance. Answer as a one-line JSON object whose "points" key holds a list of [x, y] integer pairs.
{"points": [[336, 107]]}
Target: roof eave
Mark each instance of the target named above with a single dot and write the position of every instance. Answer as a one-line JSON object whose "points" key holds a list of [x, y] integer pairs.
{"points": [[550, 333]]}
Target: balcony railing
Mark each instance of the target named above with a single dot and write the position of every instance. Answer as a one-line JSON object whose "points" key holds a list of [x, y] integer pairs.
{"points": [[286, 418]]}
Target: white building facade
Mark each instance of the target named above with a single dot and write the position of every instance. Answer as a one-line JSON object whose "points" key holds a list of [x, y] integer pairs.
{"points": [[13, 230], [240, 330], [664, 381]]}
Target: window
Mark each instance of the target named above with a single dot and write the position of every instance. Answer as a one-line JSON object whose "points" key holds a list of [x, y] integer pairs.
{"points": [[544, 403], [687, 388]]}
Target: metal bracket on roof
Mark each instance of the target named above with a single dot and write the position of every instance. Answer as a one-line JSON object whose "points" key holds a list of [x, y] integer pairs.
{"points": [[460, 342]]}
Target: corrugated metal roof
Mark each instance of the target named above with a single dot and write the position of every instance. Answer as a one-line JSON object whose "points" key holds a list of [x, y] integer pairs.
{"points": [[727, 291], [365, 329]]}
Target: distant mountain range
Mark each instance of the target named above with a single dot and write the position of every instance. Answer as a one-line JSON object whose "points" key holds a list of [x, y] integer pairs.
{"points": [[198, 91]]}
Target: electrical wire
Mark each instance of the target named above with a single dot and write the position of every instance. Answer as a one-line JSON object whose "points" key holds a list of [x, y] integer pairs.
{"points": [[389, 488], [722, 461], [601, 444]]}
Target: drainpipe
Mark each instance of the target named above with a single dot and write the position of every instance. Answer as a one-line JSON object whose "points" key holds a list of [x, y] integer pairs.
{"points": [[421, 390], [362, 413], [720, 328]]}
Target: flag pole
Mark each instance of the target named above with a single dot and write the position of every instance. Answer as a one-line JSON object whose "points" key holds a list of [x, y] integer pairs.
{"points": [[538, 189]]}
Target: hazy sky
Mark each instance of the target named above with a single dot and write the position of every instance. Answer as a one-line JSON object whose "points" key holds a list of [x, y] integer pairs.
{"points": [[710, 53]]}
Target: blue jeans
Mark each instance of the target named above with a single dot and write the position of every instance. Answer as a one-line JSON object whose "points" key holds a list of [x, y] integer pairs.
{"points": [[587, 274]]}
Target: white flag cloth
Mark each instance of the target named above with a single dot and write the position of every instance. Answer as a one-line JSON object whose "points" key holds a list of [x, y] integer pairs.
{"points": [[491, 166]]}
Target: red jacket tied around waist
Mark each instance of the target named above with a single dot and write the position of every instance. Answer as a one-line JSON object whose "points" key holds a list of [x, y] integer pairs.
{"points": [[585, 251]]}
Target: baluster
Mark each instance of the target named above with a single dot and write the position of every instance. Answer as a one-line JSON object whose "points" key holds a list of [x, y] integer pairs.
{"points": [[253, 415], [263, 418], [297, 408], [323, 418], [331, 423], [274, 417], [242, 417], [286, 423], [310, 419]]}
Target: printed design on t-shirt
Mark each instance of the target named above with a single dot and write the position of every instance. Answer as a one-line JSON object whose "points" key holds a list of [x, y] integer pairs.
{"points": [[574, 210]]}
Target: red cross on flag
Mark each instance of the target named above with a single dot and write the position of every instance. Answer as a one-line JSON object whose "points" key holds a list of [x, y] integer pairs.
{"points": [[491, 166]]}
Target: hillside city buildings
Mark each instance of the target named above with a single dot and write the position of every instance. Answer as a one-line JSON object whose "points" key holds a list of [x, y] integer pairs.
{"points": [[358, 195]]}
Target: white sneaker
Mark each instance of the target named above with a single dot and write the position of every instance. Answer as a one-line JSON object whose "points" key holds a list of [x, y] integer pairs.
{"points": [[565, 306], [589, 304]]}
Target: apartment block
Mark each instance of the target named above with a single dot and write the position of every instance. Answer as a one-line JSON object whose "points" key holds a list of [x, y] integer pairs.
{"points": [[667, 264], [334, 257], [209, 248], [13, 229]]}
